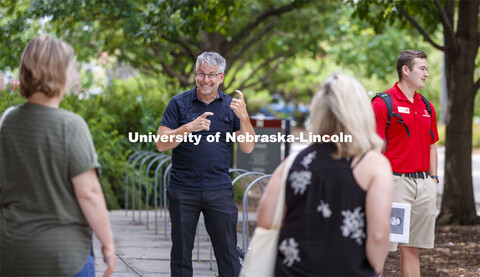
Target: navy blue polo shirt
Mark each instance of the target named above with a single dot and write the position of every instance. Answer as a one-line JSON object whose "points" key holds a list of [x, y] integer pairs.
{"points": [[204, 166]]}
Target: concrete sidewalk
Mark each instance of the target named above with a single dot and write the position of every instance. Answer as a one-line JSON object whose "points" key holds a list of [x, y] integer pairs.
{"points": [[141, 252]]}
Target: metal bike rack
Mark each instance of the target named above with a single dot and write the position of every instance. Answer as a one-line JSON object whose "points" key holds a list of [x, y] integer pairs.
{"points": [[211, 256], [136, 153], [166, 175], [155, 189], [245, 210], [159, 157], [239, 171], [144, 160], [146, 153], [243, 175]]}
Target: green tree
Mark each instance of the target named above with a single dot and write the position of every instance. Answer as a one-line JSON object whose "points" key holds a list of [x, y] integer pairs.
{"points": [[455, 23], [256, 37]]}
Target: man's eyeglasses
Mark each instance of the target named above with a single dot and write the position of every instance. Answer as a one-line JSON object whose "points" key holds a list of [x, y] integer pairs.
{"points": [[201, 76]]}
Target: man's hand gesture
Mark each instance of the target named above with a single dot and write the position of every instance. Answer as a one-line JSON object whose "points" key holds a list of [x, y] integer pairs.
{"points": [[201, 123], [239, 107]]}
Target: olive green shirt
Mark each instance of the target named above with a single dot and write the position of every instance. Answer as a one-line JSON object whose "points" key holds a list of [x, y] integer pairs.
{"points": [[43, 230]]}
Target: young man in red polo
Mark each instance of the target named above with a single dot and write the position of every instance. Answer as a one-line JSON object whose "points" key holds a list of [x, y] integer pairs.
{"points": [[410, 135]]}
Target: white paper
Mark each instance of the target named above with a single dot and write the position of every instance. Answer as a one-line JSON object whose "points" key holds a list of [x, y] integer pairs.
{"points": [[400, 223]]}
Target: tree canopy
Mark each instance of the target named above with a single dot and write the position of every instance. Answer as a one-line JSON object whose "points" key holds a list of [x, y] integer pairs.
{"points": [[166, 36], [261, 40]]}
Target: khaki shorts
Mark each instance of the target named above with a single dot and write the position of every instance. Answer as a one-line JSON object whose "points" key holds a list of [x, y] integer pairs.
{"points": [[421, 194]]}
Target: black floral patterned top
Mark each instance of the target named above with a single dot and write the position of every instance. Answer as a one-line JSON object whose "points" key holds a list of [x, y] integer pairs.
{"points": [[324, 231]]}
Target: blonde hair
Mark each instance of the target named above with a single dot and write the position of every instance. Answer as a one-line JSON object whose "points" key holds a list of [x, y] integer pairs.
{"points": [[44, 66], [342, 105]]}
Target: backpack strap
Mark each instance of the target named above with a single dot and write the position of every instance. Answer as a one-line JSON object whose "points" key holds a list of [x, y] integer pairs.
{"points": [[389, 104], [429, 110]]}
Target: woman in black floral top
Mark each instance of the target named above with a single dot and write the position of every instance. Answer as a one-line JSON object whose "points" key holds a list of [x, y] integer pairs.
{"points": [[338, 194]]}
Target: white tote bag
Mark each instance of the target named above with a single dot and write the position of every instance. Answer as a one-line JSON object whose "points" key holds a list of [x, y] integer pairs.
{"points": [[262, 253]]}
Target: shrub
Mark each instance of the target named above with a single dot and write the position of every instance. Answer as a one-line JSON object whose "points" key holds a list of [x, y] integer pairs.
{"points": [[10, 99]]}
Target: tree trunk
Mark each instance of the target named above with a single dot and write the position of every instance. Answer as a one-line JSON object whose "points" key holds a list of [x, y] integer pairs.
{"points": [[212, 42], [458, 204]]}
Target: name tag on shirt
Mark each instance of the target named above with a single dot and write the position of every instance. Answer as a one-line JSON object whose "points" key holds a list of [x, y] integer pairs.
{"points": [[403, 110]]}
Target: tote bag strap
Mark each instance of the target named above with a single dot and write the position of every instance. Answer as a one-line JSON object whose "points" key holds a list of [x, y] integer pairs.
{"points": [[279, 208]]}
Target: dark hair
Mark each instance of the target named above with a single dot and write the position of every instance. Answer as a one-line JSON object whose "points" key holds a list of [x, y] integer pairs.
{"points": [[406, 58]]}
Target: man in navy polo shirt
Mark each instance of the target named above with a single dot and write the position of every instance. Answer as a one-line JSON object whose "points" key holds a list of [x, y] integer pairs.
{"points": [[199, 180], [412, 154]]}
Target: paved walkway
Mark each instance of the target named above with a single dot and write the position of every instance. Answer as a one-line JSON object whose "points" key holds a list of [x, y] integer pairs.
{"points": [[142, 252]]}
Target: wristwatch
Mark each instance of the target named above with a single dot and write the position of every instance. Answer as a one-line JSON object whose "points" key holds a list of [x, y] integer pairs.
{"points": [[436, 178]]}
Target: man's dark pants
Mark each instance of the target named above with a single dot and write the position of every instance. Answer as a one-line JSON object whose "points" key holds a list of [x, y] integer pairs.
{"points": [[220, 214]]}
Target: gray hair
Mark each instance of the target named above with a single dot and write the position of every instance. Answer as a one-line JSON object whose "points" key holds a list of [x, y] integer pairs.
{"points": [[211, 59]]}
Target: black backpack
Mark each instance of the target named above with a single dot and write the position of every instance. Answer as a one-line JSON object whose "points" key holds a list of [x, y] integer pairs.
{"points": [[388, 102]]}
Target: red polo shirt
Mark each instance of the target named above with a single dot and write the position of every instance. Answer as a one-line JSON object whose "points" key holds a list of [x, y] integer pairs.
{"points": [[407, 154]]}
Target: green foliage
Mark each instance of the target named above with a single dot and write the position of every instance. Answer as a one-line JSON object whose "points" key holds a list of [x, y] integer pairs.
{"points": [[166, 36], [476, 135], [107, 142], [381, 14], [277, 66], [138, 103], [238, 192], [360, 47], [441, 128], [10, 99], [477, 106], [274, 46], [15, 31]]}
